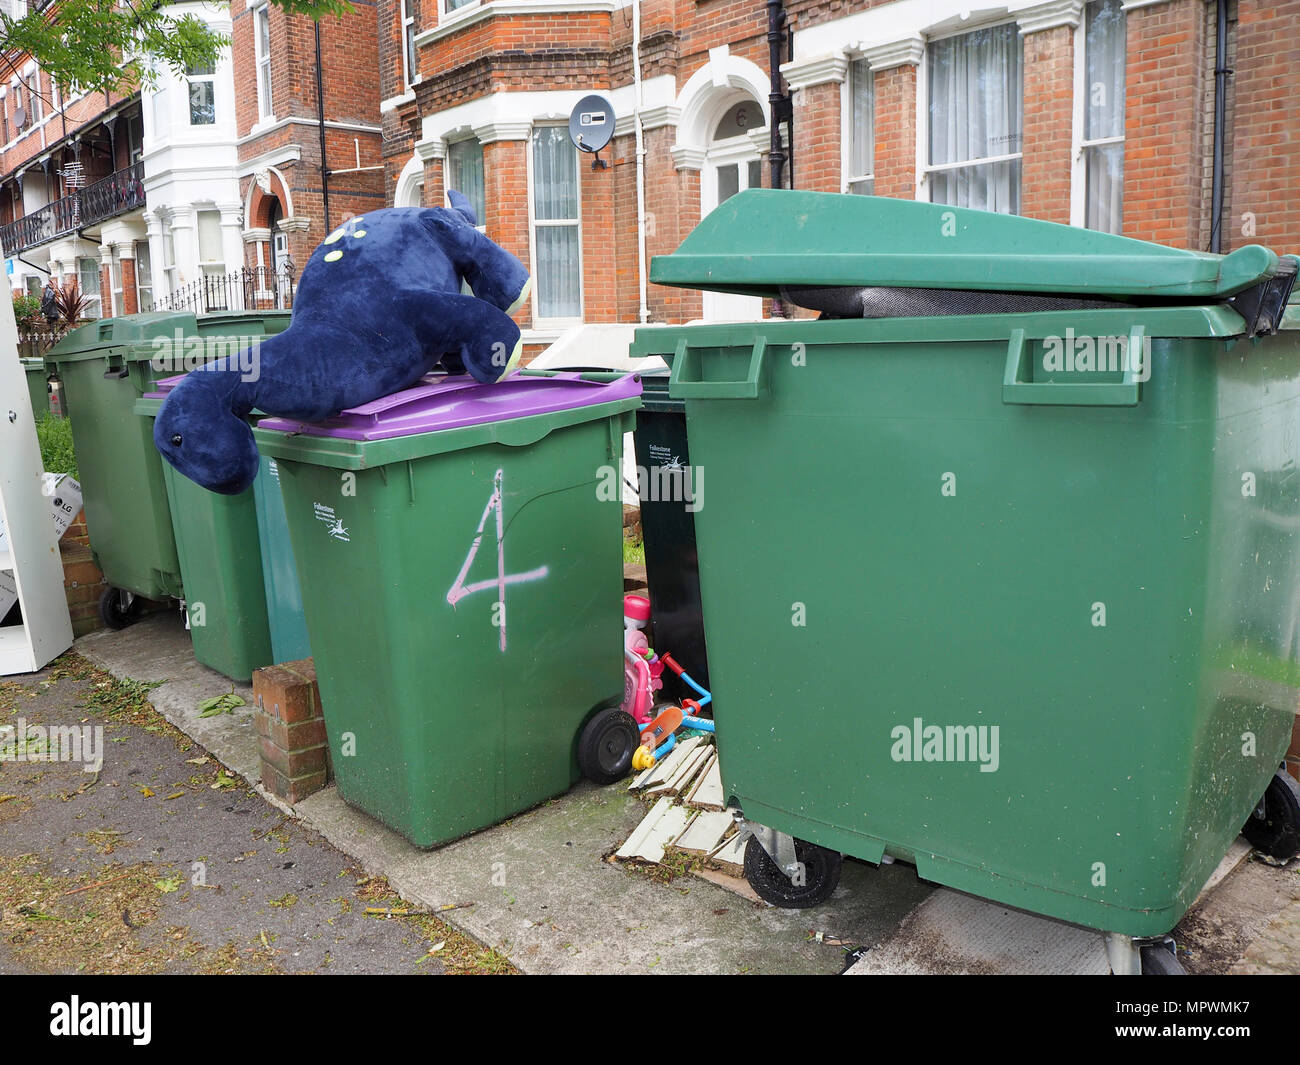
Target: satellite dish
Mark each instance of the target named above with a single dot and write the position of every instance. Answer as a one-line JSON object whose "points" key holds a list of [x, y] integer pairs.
{"points": [[20, 117], [591, 125]]}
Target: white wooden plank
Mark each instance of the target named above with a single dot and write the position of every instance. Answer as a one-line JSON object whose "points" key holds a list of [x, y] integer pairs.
{"points": [[689, 795], [683, 775], [704, 834], [730, 857], [663, 769], [708, 796], [663, 824]]}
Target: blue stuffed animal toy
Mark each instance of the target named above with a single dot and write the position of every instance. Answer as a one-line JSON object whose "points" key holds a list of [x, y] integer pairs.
{"points": [[379, 305]]}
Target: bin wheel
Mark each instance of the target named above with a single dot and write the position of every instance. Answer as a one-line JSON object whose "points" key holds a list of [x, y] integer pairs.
{"points": [[1274, 827], [111, 611], [821, 875], [1159, 960], [606, 746]]}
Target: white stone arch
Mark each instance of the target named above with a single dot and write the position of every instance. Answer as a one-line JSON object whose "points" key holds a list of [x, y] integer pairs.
{"points": [[406, 192], [283, 191], [722, 82]]}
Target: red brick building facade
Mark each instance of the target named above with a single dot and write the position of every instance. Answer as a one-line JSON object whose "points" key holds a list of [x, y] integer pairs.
{"points": [[1096, 113], [292, 196]]}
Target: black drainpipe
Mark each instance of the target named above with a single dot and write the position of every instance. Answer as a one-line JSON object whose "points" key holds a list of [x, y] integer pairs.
{"points": [[1221, 73], [320, 122], [779, 101]]}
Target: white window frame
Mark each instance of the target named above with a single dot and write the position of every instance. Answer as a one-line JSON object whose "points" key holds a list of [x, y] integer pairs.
{"points": [[91, 296], [847, 130], [262, 64], [190, 79], [482, 222], [35, 105], [445, 7], [923, 167], [409, 76], [533, 222], [116, 289], [140, 286], [1079, 143]]}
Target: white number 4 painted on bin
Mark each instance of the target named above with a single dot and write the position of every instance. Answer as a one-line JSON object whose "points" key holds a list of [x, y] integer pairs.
{"points": [[459, 589]]}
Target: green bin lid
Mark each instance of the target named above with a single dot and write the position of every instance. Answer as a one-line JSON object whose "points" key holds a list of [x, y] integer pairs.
{"points": [[761, 240], [135, 334]]}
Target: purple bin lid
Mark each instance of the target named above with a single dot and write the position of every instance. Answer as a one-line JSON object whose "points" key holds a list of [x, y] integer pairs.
{"points": [[163, 386], [441, 402]]}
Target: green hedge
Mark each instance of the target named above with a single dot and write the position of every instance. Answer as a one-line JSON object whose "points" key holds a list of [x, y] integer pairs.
{"points": [[57, 454]]}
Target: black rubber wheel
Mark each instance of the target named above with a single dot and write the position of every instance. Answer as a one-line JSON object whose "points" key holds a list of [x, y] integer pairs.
{"points": [[606, 746], [821, 875], [1274, 827], [1159, 960], [111, 611]]}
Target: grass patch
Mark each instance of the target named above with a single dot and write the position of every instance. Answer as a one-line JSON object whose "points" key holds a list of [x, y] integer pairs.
{"points": [[633, 552], [57, 452]]}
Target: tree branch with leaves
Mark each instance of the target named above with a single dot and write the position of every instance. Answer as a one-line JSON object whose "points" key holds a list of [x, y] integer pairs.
{"points": [[120, 45]]}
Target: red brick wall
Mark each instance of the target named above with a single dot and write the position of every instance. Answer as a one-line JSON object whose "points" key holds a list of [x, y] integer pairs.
{"points": [[130, 301], [349, 61], [1266, 145], [1048, 118], [505, 178], [895, 98], [1162, 123], [817, 138]]}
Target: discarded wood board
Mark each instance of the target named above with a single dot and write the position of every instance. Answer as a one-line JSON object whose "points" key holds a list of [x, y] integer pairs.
{"points": [[730, 857], [707, 795], [663, 769], [663, 824], [689, 796], [705, 833], [738, 885], [683, 775]]}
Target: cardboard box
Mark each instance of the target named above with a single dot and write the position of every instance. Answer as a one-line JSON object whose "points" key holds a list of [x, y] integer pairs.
{"points": [[63, 493], [8, 592]]}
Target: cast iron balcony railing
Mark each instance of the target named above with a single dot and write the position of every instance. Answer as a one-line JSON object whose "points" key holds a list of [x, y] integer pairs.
{"points": [[106, 198]]}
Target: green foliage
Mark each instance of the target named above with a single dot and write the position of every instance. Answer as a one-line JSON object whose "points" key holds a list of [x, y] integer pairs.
{"points": [[57, 454], [103, 45], [27, 313]]}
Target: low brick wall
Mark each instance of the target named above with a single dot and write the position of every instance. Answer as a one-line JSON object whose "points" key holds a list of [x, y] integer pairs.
{"points": [[83, 584]]}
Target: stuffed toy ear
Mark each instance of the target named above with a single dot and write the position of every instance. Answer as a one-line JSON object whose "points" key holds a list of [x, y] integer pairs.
{"points": [[461, 203]]}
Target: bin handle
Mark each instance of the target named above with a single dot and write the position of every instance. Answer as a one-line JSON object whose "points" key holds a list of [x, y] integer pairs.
{"points": [[686, 380], [116, 373], [1015, 389]]}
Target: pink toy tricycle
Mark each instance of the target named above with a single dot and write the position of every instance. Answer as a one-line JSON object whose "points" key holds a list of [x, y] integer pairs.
{"points": [[610, 738]]}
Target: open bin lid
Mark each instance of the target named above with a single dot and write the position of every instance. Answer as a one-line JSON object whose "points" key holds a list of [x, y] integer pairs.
{"points": [[761, 241], [440, 403]]}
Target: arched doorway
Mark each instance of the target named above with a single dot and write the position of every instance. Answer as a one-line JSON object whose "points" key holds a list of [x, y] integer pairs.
{"points": [[279, 253], [731, 164]]}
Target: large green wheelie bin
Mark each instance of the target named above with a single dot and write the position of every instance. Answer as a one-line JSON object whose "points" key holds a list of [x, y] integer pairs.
{"points": [[105, 367], [459, 552], [982, 592], [37, 386], [219, 548]]}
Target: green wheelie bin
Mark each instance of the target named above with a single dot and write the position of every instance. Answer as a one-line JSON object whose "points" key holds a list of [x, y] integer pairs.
{"points": [[998, 556], [37, 386], [284, 610], [459, 550], [105, 367], [219, 548]]}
